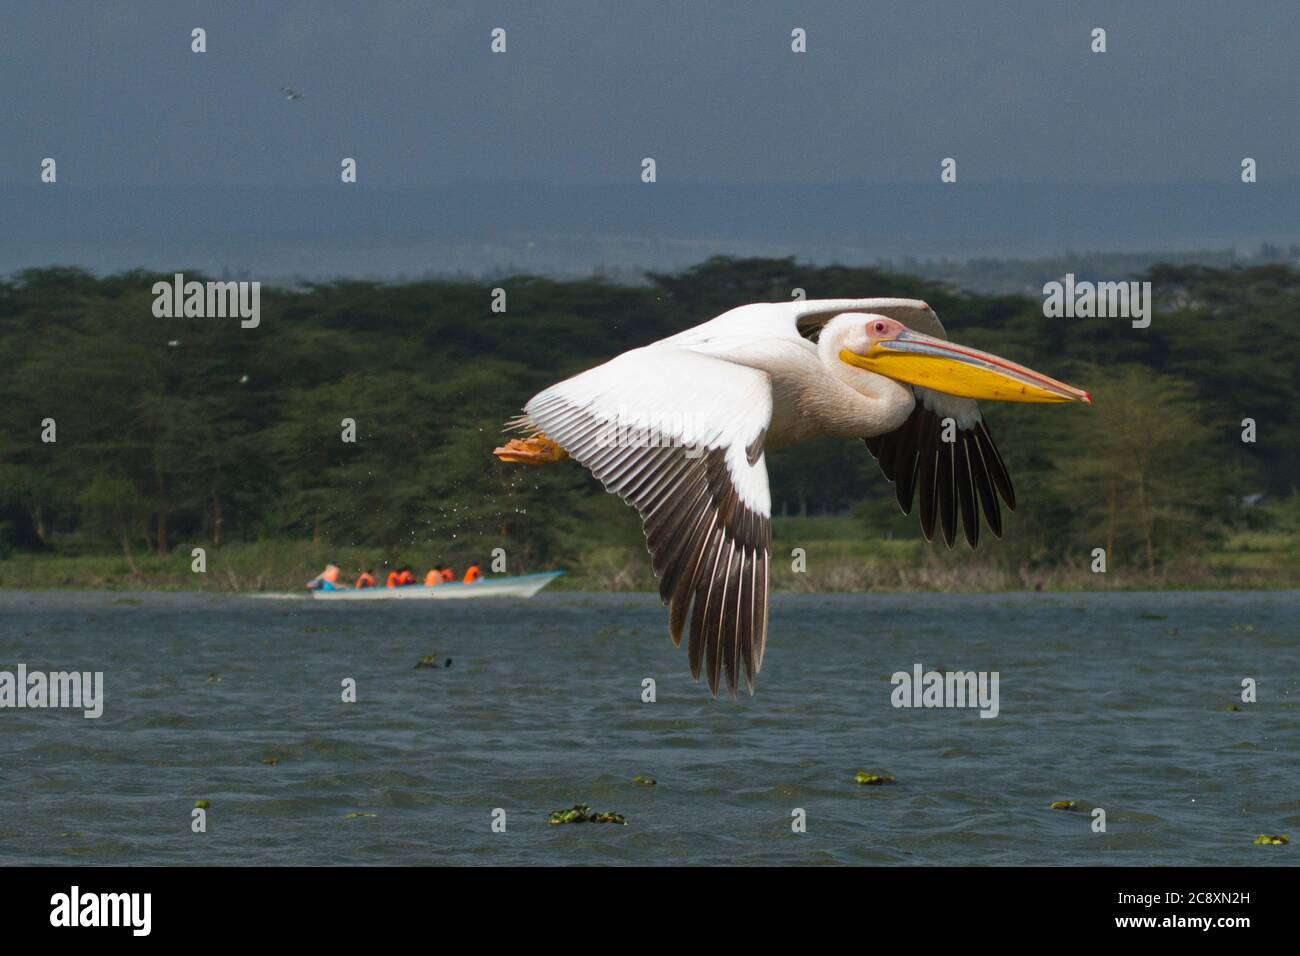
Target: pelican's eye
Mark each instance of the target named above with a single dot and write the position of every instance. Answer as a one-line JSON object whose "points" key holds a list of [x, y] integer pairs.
{"points": [[879, 328]]}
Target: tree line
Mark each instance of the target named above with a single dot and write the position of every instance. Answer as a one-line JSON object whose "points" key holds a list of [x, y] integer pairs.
{"points": [[170, 432]]}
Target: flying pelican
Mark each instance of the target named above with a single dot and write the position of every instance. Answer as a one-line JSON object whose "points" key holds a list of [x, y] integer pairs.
{"points": [[290, 93], [679, 430]]}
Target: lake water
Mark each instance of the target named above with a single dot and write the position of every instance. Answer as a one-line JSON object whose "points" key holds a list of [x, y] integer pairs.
{"points": [[1119, 701]]}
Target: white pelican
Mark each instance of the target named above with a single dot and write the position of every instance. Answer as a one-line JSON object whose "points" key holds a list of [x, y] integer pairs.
{"points": [[679, 428]]}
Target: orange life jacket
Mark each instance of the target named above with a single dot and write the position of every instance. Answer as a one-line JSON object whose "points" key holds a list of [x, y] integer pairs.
{"points": [[473, 574], [392, 579], [448, 574], [405, 578], [366, 580], [432, 578]]}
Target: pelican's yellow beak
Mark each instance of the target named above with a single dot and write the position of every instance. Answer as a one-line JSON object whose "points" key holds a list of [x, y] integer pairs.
{"points": [[957, 370]]}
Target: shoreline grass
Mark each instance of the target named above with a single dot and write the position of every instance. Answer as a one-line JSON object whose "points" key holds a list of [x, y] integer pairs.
{"points": [[832, 566]]}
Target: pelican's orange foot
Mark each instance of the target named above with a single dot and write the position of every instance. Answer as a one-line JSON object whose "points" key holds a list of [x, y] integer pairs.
{"points": [[538, 450]]}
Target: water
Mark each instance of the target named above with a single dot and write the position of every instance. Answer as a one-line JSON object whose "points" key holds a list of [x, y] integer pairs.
{"points": [[1112, 700]]}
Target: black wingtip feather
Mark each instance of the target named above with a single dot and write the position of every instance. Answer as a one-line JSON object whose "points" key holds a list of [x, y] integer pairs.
{"points": [[954, 481], [983, 485], [927, 467], [997, 469], [970, 516], [946, 483]]}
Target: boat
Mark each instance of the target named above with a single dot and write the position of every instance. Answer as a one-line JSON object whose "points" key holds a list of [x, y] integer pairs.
{"points": [[520, 586]]}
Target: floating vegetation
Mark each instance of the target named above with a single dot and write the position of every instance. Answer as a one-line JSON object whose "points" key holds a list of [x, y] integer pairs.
{"points": [[1265, 839], [271, 761], [581, 813], [356, 815], [214, 678], [71, 834], [1234, 708], [202, 804], [1149, 616], [1064, 805], [128, 601], [873, 779], [431, 660], [644, 781]]}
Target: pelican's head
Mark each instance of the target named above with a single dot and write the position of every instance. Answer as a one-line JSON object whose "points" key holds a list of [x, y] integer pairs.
{"points": [[887, 347]]}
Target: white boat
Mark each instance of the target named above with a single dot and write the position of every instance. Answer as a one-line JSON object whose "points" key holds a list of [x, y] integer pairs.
{"points": [[522, 586]]}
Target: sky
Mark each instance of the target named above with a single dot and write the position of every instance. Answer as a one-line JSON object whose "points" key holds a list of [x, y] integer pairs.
{"points": [[586, 90]]}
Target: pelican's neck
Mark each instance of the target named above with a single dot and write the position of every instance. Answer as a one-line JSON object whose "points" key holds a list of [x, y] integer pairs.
{"points": [[863, 404]]}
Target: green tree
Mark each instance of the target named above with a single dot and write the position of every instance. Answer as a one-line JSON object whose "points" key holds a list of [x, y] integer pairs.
{"points": [[1140, 470], [111, 510]]}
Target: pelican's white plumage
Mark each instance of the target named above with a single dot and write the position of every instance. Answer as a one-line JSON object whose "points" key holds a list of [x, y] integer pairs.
{"points": [[679, 429], [691, 400]]}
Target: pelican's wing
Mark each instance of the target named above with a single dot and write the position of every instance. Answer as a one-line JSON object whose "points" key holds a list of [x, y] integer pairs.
{"points": [[795, 321], [811, 315], [954, 477], [679, 436]]}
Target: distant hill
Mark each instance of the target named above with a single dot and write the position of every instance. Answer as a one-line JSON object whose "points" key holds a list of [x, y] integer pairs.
{"points": [[619, 230]]}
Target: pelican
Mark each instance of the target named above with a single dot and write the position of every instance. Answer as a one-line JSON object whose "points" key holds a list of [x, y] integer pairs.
{"points": [[679, 429], [290, 93]]}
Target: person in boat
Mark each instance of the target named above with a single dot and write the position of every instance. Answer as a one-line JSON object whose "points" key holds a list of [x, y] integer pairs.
{"points": [[434, 576], [392, 579], [404, 576], [472, 573], [448, 574], [366, 579], [327, 580]]}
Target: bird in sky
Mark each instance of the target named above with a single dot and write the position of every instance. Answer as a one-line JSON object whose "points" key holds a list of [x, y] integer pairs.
{"points": [[290, 93], [679, 429]]}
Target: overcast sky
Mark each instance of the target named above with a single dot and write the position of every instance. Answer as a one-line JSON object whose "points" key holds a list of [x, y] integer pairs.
{"points": [[711, 90]]}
